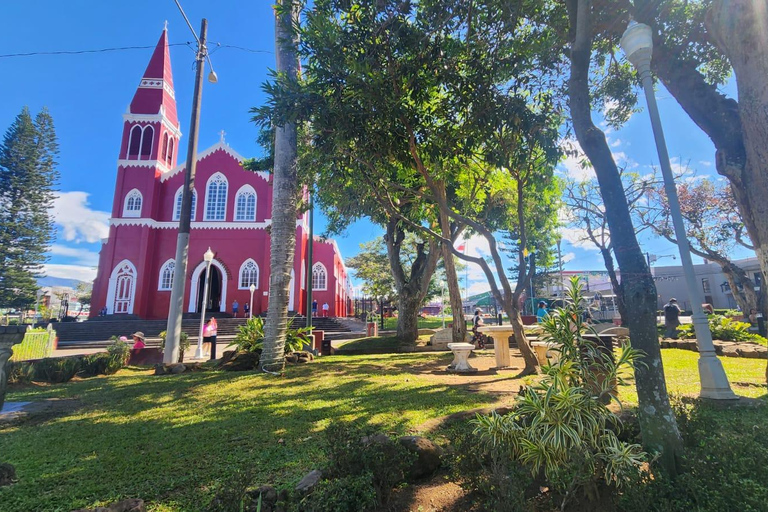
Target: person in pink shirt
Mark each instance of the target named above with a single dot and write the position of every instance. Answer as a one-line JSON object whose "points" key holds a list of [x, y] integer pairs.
{"points": [[209, 337], [138, 340]]}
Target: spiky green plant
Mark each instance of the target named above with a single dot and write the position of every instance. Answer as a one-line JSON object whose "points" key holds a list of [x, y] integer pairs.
{"points": [[561, 427]]}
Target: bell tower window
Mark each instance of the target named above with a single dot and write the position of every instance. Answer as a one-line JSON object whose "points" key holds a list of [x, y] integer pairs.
{"points": [[134, 143], [132, 206], [147, 139]]}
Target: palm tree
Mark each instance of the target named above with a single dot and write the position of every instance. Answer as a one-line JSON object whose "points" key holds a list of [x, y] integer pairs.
{"points": [[285, 196]]}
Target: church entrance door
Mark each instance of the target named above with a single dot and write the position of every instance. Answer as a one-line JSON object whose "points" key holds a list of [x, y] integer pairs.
{"points": [[214, 291]]}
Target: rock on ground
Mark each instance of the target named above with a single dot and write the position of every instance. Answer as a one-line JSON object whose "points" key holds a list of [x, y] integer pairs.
{"points": [[129, 505], [310, 480], [427, 452], [7, 474]]}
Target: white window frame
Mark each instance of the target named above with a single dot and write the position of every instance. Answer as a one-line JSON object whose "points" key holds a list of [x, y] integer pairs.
{"points": [[177, 205], [318, 266], [220, 178], [133, 194], [240, 275], [245, 190], [163, 270]]}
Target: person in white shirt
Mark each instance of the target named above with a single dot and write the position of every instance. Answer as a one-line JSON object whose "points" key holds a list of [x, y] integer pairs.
{"points": [[326, 307]]}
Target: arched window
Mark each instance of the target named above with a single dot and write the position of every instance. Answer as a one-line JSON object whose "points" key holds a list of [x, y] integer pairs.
{"points": [[147, 139], [216, 197], [245, 204], [165, 283], [177, 205], [249, 274], [165, 146], [134, 143], [132, 206], [319, 277], [169, 158]]}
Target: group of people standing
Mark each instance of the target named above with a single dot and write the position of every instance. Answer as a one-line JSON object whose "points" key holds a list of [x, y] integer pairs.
{"points": [[326, 308]]}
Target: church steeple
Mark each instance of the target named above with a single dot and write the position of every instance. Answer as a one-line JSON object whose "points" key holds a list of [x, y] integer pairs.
{"points": [[156, 86], [151, 131]]}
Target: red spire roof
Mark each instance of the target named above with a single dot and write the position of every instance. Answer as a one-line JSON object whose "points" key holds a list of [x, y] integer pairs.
{"points": [[156, 86]]}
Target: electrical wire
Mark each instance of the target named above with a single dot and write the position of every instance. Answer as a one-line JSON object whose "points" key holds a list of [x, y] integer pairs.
{"points": [[81, 52]]}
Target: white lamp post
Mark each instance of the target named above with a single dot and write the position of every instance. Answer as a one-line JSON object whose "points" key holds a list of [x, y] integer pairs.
{"points": [[250, 308], [208, 257], [637, 43]]}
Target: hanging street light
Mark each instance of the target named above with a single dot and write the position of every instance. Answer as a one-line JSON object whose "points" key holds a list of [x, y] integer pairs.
{"points": [[637, 43]]}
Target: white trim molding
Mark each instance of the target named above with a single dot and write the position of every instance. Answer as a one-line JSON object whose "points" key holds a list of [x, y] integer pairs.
{"points": [[196, 283], [156, 224], [152, 118], [219, 146]]}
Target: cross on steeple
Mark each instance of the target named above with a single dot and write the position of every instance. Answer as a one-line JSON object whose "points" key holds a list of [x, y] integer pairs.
{"points": [[165, 25], [221, 135]]}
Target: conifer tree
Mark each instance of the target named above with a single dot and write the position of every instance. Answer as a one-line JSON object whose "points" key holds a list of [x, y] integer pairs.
{"points": [[28, 177]]}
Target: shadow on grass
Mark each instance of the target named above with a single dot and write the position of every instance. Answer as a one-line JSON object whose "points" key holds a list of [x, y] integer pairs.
{"points": [[171, 439]]}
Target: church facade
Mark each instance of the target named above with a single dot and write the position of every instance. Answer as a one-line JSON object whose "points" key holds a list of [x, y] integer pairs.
{"points": [[231, 209]]}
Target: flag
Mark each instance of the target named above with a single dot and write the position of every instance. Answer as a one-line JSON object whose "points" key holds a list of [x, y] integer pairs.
{"points": [[462, 247]]}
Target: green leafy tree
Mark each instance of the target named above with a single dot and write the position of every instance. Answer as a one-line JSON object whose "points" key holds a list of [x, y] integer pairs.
{"points": [[28, 178]]}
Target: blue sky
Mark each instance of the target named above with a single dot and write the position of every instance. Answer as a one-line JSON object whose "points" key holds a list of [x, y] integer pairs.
{"points": [[88, 93]]}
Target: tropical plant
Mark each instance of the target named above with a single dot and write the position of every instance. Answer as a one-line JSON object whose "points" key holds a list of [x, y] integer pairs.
{"points": [[56, 370], [562, 427], [119, 354], [724, 329], [297, 339], [250, 336]]}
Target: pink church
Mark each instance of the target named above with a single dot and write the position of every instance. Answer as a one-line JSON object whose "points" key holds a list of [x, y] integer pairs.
{"points": [[231, 209]]}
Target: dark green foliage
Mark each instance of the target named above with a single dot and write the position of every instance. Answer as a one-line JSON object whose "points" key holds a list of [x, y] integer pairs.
{"points": [[250, 337], [57, 369], [500, 481], [94, 364], [28, 177], [354, 450], [350, 493], [119, 352], [20, 372], [726, 453], [232, 490], [724, 329], [297, 339]]}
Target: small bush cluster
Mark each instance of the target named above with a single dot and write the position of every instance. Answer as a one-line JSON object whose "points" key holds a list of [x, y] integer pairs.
{"points": [[561, 430], [363, 469], [184, 343], [57, 370], [725, 329], [250, 337], [723, 466]]}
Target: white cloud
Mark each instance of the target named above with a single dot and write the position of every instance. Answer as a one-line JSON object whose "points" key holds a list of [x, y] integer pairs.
{"points": [[705, 163], [616, 143], [78, 222], [79, 272], [570, 256], [575, 165], [82, 256], [478, 287], [578, 237]]}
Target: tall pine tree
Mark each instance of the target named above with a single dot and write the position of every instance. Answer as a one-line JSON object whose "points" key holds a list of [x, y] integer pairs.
{"points": [[28, 177]]}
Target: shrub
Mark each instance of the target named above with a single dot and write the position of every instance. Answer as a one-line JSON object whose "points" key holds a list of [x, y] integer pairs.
{"points": [[561, 428], [723, 465], [724, 329], [118, 353], [57, 369], [184, 343], [355, 450], [351, 493], [250, 336], [297, 339], [94, 364], [20, 372]]}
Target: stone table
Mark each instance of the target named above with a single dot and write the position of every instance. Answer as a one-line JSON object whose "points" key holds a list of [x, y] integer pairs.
{"points": [[9, 336], [500, 335], [461, 352]]}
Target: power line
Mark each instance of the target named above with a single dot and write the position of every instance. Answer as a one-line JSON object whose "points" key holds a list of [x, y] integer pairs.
{"points": [[120, 48], [80, 52]]}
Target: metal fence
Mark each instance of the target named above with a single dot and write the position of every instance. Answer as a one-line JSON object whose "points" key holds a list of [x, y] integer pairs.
{"points": [[36, 345]]}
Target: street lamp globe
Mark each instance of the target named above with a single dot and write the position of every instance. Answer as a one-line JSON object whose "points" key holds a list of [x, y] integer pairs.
{"points": [[208, 256], [252, 288], [637, 43], [213, 77]]}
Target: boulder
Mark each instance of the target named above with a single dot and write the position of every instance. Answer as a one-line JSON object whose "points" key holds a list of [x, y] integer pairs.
{"points": [[176, 368], [291, 358], [227, 356], [730, 351], [751, 351], [310, 480], [427, 455], [243, 361], [159, 369], [268, 499], [7, 474], [304, 354], [376, 439]]}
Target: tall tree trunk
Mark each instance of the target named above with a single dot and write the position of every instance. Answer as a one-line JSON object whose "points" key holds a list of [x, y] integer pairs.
{"points": [[451, 276], [657, 422], [742, 287], [615, 284], [413, 288], [285, 188]]}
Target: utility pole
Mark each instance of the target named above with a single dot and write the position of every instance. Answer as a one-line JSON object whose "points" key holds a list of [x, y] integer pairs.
{"points": [[560, 261], [310, 246], [176, 310]]}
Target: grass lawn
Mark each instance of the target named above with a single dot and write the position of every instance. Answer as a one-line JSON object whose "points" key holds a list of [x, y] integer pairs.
{"points": [[376, 344], [170, 440]]}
